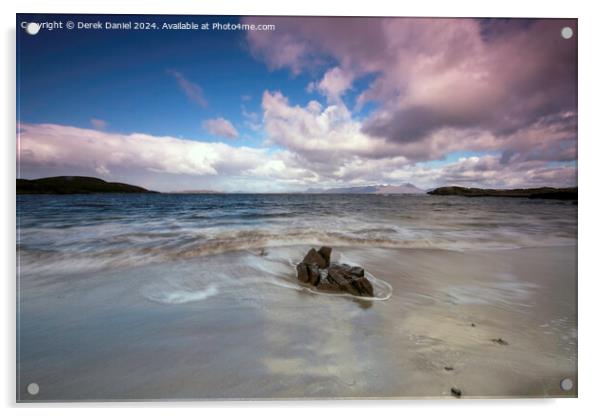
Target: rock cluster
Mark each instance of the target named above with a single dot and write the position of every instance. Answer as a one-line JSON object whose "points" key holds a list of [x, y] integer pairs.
{"points": [[316, 269]]}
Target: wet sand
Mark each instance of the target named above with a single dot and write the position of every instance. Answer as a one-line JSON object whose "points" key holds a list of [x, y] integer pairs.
{"points": [[237, 325]]}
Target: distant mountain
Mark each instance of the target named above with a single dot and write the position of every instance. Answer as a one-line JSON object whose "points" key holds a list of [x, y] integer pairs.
{"points": [[533, 193], [406, 188], [74, 185], [196, 191]]}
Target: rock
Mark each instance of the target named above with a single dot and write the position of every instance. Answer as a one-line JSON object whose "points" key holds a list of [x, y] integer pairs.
{"points": [[342, 279], [308, 271], [302, 273], [357, 271], [448, 368], [327, 286], [456, 392], [364, 286], [350, 279], [314, 274], [317, 270], [499, 341], [325, 253], [312, 257]]}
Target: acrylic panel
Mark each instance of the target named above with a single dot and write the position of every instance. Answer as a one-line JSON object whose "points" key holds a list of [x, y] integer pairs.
{"points": [[282, 207]]}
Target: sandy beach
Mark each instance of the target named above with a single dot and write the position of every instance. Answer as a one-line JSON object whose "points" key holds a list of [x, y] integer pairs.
{"points": [[248, 330]]}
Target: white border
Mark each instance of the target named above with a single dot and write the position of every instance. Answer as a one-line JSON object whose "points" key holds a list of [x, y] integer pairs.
{"points": [[590, 276]]}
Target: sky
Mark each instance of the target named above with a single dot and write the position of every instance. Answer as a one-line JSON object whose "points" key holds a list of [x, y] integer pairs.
{"points": [[317, 102]]}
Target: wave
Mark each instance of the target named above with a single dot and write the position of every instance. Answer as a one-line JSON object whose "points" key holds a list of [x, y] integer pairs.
{"points": [[138, 248], [182, 296], [244, 276]]}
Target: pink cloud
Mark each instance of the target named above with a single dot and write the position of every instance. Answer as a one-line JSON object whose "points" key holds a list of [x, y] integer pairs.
{"points": [[193, 91], [220, 127]]}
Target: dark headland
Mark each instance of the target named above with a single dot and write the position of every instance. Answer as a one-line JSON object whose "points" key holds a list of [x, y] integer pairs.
{"points": [[533, 193], [74, 185]]}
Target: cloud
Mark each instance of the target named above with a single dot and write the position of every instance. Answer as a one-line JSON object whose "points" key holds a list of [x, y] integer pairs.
{"points": [[334, 84], [160, 163], [193, 91], [477, 171], [330, 145], [220, 127], [168, 163], [490, 171], [98, 124], [441, 85], [501, 84], [251, 119], [322, 135], [66, 149]]}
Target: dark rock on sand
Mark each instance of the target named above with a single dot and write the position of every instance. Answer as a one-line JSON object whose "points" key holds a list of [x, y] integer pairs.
{"points": [[326, 286], [448, 368], [313, 257], [302, 273], [499, 341], [317, 270], [325, 253], [314, 274], [308, 273], [456, 392], [351, 279]]}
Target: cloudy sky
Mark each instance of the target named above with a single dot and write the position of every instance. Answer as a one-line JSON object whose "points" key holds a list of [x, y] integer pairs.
{"points": [[318, 102]]}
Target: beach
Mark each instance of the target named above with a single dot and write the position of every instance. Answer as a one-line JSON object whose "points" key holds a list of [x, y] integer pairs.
{"points": [[146, 297]]}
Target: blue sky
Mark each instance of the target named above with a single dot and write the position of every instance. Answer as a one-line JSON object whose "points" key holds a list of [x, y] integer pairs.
{"points": [[317, 101], [125, 80]]}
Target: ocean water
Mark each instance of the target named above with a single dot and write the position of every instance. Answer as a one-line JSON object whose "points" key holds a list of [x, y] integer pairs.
{"points": [[166, 296]]}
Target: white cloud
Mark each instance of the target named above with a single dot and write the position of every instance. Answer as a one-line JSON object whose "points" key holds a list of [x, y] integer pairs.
{"points": [[54, 145], [322, 135], [220, 127]]}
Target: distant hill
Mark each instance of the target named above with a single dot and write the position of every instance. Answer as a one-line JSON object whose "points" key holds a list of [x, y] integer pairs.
{"points": [[406, 188], [534, 193], [196, 191], [74, 185]]}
